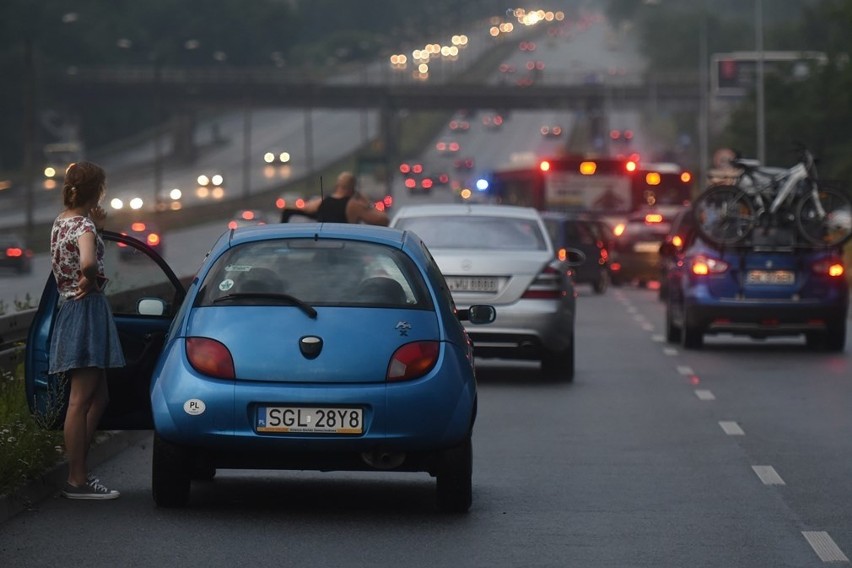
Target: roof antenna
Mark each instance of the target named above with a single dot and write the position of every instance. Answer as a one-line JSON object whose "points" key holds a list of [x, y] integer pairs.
{"points": [[322, 197]]}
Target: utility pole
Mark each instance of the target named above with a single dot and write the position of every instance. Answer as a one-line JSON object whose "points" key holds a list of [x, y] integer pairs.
{"points": [[761, 119], [703, 116]]}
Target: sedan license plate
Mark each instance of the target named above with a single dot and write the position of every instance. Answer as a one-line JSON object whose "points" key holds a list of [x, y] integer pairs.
{"points": [[310, 420], [646, 246], [770, 277], [471, 284]]}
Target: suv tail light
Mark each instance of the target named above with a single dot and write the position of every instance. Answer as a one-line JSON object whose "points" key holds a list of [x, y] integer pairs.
{"points": [[546, 286], [412, 360], [210, 357], [704, 265], [828, 267]]}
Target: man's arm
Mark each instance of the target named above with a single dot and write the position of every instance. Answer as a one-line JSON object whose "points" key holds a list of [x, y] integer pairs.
{"points": [[359, 210]]}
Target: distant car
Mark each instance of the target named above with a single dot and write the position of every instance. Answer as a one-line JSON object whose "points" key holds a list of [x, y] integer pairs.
{"points": [[761, 290], [327, 347], [492, 121], [447, 147], [459, 125], [681, 233], [463, 164], [578, 231], [211, 180], [502, 256], [551, 131], [145, 231], [15, 254], [638, 244], [247, 217]]}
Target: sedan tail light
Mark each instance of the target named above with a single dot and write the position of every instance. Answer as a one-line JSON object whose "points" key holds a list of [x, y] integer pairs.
{"points": [[210, 357], [14, 252], [828, 267], [153, 239], [704, 265], [546, 286], [412, 360]]}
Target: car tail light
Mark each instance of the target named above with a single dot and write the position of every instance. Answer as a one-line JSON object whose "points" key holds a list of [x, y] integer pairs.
{"points": [[618, 230], [210, 357], [653, 218], [14, 252], [704, 265], [677, 241], [153, 239], [546, 286], [413, 360], [232, 225], [828, 267], [280, 203]]}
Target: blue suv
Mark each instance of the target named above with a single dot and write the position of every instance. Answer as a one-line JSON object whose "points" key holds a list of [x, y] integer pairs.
{"points": [[766, 288]]}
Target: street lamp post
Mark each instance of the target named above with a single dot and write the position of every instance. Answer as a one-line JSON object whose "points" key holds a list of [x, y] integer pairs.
{"points": [[761, 119]]}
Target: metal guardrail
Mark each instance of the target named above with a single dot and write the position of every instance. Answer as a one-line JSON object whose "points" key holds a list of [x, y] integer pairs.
{"points": [[13, 337]]}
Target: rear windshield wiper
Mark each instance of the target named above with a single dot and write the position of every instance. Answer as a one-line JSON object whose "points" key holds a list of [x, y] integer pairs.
{"points": [[307, 308]]}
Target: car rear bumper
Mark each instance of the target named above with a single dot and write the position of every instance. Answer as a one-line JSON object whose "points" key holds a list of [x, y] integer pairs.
{"points": [[760, 317], [524, 330]]}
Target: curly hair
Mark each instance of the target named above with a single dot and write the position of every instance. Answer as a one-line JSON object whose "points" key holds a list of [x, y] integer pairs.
{"points": [[84, 182]]}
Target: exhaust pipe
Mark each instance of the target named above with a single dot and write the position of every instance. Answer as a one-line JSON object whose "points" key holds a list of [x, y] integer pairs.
{"points": [[383, 459]]}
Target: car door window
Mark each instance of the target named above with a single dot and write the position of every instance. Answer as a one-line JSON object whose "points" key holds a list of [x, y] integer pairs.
{"points": [[134, 278]]}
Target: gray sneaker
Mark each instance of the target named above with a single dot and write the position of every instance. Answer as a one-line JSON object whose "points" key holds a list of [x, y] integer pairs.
{"points": [[91, 490]]}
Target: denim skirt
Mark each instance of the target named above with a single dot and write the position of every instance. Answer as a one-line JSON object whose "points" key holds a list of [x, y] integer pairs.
{"points": [[84, 335]]}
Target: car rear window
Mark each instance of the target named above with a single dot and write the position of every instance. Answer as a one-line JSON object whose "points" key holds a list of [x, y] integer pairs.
{"points": [[476, 232], [318, 272]]}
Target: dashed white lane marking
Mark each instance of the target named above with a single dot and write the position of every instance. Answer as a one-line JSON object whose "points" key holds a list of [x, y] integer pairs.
{"points": [[670, 351], [768, 475], [731, 428], [657, 338], [705, 394], [684, 370], [824, 546]]}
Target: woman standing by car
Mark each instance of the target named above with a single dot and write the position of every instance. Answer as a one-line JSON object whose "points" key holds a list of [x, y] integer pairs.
{"points": [[85, 339]]}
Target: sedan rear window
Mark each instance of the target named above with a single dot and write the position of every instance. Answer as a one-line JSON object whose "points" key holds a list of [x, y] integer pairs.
{"points": [[476, 232], [314, 273]]}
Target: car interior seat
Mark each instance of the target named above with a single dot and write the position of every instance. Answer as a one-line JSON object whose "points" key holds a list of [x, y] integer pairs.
{"points": [[381, 290]]}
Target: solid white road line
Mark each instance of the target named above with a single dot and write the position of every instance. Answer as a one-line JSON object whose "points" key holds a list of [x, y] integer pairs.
{"points": [[684, 370], [768, 475], [824, 546]]}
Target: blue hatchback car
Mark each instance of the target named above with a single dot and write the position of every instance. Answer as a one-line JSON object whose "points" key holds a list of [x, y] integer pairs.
{"points": [[295, 346], [768, 288]]}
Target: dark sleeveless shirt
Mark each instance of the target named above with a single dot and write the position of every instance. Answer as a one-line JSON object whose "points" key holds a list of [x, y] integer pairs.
{"points": [[333, 210]]}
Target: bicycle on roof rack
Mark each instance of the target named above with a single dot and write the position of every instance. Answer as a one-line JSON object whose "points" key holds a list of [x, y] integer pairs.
{"points": [[768, 199]]}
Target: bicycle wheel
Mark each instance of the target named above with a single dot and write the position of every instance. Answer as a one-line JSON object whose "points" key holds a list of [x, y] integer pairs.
{"points": [[830, 227], [724, 215]]}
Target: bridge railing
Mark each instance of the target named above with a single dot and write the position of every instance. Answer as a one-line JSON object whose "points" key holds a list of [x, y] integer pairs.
{"points": [[13, 337]]}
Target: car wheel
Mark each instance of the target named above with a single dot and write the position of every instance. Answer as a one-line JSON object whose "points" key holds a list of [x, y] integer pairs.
{"points": [[455, 479], [602, 283], [559, 365], [691, 337], [673, 332], [833, 340], [202, 471], [170, 474]]}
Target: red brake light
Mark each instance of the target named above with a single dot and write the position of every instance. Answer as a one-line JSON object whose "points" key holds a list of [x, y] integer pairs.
{"points": [[686, 177], [410, 183], [704, 265], [404, 168], [153, 239], [300, 203], [828, 267], [413, 360], [138, 226], [14, 252], [280, 203], [232, 225], [653, 218], [426, 183], [247, 215], [210, 357], [546, 286]]}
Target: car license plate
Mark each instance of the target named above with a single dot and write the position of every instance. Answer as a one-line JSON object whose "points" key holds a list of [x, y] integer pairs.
{"points": [[770, 277], [310, 420], [647, 247], [471, 284]]}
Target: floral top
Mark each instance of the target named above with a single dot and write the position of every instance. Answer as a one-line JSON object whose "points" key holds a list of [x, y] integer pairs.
{"points": [[65, 252]]}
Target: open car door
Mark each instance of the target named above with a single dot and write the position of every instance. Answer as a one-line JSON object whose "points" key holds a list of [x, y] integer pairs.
{"points": [[144, 295]]}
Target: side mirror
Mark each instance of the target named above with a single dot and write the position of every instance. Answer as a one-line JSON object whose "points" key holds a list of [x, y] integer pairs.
{"points": [[570, 256], [478, 314], [150, 307]]}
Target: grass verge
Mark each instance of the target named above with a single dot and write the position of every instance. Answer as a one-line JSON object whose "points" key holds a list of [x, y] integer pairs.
{"points": [[27, 449]]}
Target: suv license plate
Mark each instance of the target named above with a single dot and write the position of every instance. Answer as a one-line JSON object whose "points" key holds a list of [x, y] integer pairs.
{"points": [[310, 420], [770, 277]]}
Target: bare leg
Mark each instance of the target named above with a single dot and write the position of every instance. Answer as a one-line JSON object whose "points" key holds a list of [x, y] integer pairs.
{"points": [[84, 384], [100, 400]]}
